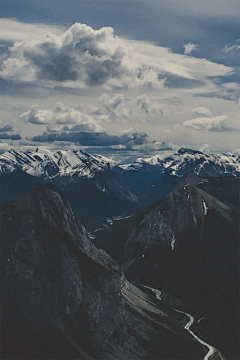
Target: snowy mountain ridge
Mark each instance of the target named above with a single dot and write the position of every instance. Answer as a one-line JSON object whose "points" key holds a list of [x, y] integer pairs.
{"points": [[186, 160], [50, 164]]}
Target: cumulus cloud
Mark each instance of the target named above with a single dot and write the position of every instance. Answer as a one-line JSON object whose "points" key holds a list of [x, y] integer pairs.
{"points": [[112, 102], [150, 106], [91, 57], [202, 111], [83, 57], [188, 48], [6, 128], [211, 124], [61, 115], [113, 106], [205, 148]]}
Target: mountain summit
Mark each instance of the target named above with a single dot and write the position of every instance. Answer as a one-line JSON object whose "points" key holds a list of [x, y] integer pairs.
{"points": [[186, 160], [49, 165]]}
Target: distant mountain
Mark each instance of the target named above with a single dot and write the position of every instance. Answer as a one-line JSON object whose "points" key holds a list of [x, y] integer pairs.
{"points": [[99, 188], [62, 298], [64, 165], [88, 182], [186, 160]]}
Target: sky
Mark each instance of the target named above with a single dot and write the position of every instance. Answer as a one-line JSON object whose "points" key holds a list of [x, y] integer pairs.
{"points": [[124, 79]]}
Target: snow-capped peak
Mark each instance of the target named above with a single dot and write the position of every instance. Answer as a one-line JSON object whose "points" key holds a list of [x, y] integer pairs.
{"points": [[50, 164], [187, 160]]}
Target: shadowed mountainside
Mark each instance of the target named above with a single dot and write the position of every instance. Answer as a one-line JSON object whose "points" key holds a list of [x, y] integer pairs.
{"points": [[64, 298]]}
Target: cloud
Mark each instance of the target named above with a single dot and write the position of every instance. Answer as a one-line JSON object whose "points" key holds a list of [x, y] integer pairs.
{"points": [[113, 107], [202, 111], [13, 30], [83, 57], [5, 136], [61, 115], [128, 138], [188, 48], [150, 106], [113, 102], [80, 54], [155, 146], [205, 148], [6, 128], [211, 124], [235, 47]]}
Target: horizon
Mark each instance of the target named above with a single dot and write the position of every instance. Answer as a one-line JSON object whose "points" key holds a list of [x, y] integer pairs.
{"points": [[125, 160]]}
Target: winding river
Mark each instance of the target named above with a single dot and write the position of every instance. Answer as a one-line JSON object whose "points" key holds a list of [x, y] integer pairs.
{"points": [[211, 350]]}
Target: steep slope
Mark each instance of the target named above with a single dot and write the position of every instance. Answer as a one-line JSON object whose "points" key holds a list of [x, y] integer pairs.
{"points": [[64, 298], [183, 208], [188, 246], [93, 189], [67, 165]]}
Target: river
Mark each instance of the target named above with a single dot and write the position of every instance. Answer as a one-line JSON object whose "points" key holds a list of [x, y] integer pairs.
{"points": [[211, 350]]}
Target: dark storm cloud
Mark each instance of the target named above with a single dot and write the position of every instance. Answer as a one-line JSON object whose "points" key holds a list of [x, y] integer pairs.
{"points": [[5, 136], [6, 128], [94, 139]]}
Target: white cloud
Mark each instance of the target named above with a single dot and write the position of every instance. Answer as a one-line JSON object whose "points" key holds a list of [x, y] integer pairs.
{"points": [[150, 106], [206, 123], [112, 107], [188, 48], [112, 102], [235, 47], [13, 30], [155, 146], [83, 57], [61, 115], [205, 148], [202, 111]]}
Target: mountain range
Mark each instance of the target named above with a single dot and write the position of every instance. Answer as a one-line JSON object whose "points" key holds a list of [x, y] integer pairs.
{"points": [[64, 298], [164, 241], [99, 187]]}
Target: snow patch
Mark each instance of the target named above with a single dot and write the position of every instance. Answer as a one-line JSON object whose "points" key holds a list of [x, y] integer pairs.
{"points": [[205, 208], [173, 243], [156, 291]]}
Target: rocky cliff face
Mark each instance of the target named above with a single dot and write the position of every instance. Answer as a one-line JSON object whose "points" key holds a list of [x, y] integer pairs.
{"points": [[64, 298], [185, 208]]}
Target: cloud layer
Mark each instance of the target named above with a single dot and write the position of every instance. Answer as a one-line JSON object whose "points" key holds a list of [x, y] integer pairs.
{"points": [[128, 138]]}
